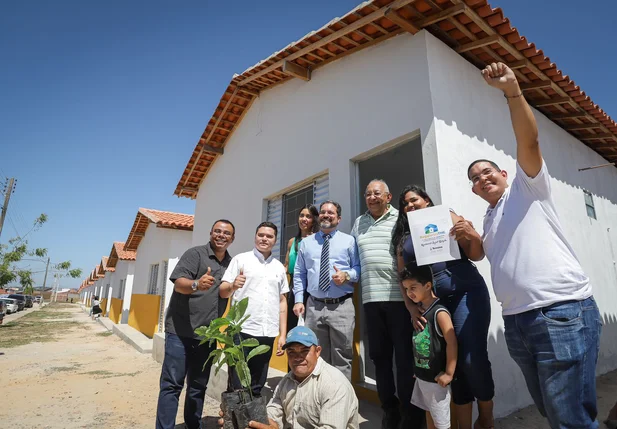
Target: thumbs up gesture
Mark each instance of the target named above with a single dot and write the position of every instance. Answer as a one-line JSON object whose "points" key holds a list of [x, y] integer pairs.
{"points": [[240, 280], [339, 276], [206, 281]]}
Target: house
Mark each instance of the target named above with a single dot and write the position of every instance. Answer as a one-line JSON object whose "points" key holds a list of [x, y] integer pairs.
{"points": [[392, 90], [123, 262], [106, 274], [158, 239]]}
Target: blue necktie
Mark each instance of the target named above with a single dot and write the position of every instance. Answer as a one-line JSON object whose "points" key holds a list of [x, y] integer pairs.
{"points": [[324, 265]]}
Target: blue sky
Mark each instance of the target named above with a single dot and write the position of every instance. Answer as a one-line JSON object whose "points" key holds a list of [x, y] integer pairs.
{"points": [[103, 102]]}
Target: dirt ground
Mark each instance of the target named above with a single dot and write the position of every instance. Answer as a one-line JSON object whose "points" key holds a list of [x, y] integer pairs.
{"points": [[81, 376], [59, 369]]}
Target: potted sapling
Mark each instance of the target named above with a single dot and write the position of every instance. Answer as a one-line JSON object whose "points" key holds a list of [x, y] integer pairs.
{"points": [[239, 406]]}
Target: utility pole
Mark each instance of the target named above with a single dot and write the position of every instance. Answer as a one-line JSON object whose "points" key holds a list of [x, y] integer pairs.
{"points": [[7, 196], [44, 283]]}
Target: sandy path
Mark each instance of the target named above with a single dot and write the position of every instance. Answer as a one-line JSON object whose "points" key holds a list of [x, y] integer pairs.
{"points": [[81, 380]]}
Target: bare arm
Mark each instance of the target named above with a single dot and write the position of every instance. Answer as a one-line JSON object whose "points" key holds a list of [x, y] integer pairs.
{"points": [[183, 286], [467, 237], [282, 324], [528, 152], [445, 325], [289, 244]]}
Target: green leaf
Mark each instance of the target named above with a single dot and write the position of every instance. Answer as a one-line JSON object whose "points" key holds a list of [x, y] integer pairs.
{"points": [[234, 351], [244, 374], [259, 350], [232, 312], [215, 356], [241, 308], [218, 323], [201, 331], [249, 342]]}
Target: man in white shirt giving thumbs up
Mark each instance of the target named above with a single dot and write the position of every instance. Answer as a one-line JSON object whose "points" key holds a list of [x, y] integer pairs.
{"points": [[262, 278]]}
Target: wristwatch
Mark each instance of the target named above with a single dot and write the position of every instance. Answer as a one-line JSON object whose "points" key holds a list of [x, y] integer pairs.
{"points": [[347, 276], [194, 286]]}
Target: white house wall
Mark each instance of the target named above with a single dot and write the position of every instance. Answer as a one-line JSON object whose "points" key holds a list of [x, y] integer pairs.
{"points": [[472, 121], [157, 245], [125, 270], [300, 129]]}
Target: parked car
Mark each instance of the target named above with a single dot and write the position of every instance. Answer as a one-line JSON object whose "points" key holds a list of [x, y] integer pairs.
{"points": [[37, 299], [11, 305], [21, 300], [29, 301]]}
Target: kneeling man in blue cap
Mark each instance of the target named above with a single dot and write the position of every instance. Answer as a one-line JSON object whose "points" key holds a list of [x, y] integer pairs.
{"points": [[313, 394]]}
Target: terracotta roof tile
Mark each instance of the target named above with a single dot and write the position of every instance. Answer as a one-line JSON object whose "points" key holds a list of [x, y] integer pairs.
{"points": [[161, 219], [455, 22]]}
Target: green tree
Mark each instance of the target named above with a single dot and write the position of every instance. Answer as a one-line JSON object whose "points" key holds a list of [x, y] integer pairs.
{"points": [[17, 250]]}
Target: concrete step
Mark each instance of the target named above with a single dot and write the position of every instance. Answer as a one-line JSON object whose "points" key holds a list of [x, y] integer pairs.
{"points": [[132, 336], [107, 324]]}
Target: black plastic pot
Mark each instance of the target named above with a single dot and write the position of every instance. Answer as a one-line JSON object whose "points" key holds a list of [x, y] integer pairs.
{"points": [[239, 410]]}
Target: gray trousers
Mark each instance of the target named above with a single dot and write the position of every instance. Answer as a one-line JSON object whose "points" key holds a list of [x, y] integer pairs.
{"points": [[334, 325]]}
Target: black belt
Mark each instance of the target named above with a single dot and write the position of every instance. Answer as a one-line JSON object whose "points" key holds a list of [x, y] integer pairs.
{"points": [[332, 300]]}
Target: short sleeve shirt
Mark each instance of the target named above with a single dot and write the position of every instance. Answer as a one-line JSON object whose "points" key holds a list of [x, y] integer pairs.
{"points": [[188, 312], [532, 262], [266, 281]]}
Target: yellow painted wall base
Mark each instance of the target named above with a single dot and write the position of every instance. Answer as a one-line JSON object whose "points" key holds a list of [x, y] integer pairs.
{"points": [[278, 362], [115, 310], [103, 306], [144, 313]]}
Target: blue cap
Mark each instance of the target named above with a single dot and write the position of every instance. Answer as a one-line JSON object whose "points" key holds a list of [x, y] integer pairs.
{"points": [[302, 335]]}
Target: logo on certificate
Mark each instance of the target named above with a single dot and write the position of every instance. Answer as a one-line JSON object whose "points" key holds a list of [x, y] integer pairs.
{"points": [[430, 229]]}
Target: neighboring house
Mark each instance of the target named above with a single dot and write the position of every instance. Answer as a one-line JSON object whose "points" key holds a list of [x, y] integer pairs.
{"points": [[122, 283], [159, 238], [107, 274], [405, 103]]}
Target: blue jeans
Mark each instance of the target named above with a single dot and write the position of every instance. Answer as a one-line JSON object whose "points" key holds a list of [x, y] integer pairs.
{"points": [[557, 347], [184, 358]]}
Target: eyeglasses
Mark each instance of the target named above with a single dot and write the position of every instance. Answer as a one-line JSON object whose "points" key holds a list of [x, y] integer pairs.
{"points": [[221, 232], [373, 194], [485, 173]]}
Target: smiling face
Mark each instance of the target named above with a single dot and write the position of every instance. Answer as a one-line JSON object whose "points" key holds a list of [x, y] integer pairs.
{"points": [[377, 198], [302, 359], [328, 217], [417, 291], [414, 201], [265, 239], [221, 236], [488, 182], [305, 220]]}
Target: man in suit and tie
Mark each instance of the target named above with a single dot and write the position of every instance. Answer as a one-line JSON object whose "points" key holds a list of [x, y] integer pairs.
{"points": [[326, 269]]}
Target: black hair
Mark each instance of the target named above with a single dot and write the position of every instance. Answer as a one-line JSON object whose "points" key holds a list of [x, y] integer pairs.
{"points": [[422, 274], [402, 225], [482, 160], [314, 216], [335, 204], [267, 225], [224, 221]]}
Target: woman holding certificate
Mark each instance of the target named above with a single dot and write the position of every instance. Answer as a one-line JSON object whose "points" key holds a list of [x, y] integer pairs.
{"points": [[462, 290]]}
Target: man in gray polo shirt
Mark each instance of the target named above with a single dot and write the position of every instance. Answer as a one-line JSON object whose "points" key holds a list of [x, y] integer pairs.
{"points": [[388, 321], [195, 302]]}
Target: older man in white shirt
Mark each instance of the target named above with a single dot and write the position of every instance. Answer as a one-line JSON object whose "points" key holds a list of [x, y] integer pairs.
{"points": [[261, 277]]}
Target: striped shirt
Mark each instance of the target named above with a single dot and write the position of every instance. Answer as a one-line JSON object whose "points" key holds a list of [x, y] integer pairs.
{"points": [[325, 399], [378, 277]]}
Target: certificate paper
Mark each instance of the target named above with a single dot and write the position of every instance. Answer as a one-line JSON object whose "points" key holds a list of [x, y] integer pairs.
{"points": [[430, 234]]}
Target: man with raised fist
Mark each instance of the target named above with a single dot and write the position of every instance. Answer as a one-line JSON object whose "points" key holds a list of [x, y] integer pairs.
{"points": [[552, 323], [262, 278], [194, 302]]}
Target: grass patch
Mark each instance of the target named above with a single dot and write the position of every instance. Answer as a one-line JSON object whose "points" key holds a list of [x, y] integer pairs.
{"points": [[48, 314], [64, 368], [31, 328], [104, 334], [102, 373]]}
